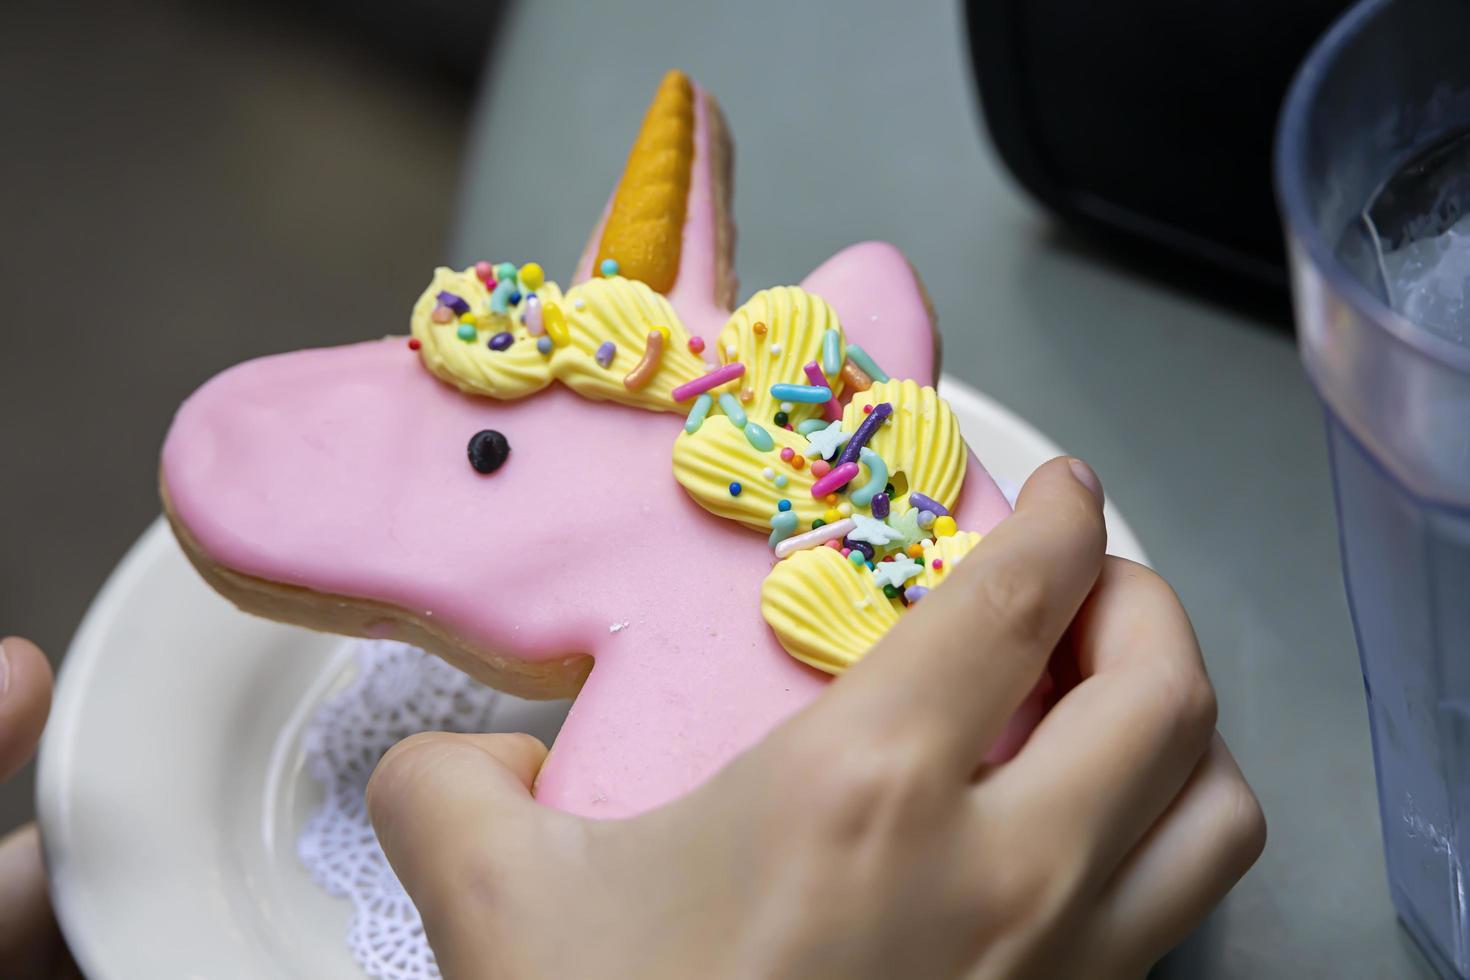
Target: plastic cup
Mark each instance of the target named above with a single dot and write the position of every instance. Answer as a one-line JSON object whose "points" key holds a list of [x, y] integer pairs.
{"points": [[1390, 78]]}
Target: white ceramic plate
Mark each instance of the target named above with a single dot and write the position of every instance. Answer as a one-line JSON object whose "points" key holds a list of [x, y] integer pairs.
{"points": [[171, 787]]}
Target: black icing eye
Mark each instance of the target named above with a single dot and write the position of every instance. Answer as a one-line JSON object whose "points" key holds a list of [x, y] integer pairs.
{"points": [[488, 450]]}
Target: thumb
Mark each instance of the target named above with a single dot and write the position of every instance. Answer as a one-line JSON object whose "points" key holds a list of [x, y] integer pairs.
{"points": [[447, 806]]}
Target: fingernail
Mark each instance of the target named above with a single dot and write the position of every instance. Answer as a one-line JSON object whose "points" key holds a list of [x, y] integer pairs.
{"points": [[1086, 477], [4, 669]]}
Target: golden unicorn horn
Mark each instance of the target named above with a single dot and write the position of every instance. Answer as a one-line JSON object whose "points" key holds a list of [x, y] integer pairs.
{"points": [[644, 229]]}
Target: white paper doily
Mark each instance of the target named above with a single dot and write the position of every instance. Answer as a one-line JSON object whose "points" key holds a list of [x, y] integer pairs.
{"points": [[398, 690]]}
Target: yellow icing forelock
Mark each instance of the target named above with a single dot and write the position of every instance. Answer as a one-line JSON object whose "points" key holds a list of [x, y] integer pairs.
{"points": [[614, 309], [624, 311], [472, 366]]}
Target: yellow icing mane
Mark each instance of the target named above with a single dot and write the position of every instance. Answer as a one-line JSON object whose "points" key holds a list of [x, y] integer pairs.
{"points": [[739, 456]]}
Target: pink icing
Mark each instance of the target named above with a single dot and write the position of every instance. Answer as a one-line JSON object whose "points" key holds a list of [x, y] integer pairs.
{"points": [[344, 471]]}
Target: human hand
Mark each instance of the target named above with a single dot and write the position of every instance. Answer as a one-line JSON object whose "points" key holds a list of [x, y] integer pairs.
{"points": [[30, 943], [865, 836]]}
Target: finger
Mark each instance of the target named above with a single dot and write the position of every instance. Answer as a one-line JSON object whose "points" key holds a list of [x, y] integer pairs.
{"points": [[957, 667], [1115, 750], [433, 797], [25, 701], [1204, 843], [30, 942]]}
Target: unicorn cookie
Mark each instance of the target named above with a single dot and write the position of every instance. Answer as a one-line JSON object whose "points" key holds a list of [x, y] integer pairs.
{"points": [[684, 516]]}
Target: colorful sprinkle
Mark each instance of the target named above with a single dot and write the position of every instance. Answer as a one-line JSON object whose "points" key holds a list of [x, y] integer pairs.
{"points": [[865, 432], [715, 378], [856, 557], [923, 502], [732, 410], [696, 345], [869, 367], [466, 331], [831, 352], [532, 276], [831, 410], [768, 473], [798, 462], [531, 316], [783, 525], [544, 345], [818, 535], [782, 419], [877, 478], [696, 414], [731, 351], [915, 592], [502, 340], [466, 318], [787, 452], [609, 267], [606, 351], [880, 506], [854, 378], [759, 329], [915, 550], [514, 297], [787, 407], [939, 564], [890, 592], [500, 296], [775, 350], [783, 505], [555, 322], [759, 437], [781, 481], [897, 572], [647, 366], [824, 439], [484, 270], [746, 394], [831, 516], [804, 394], [945, 526], [873, 531], [735, 489], [845, 509], [413, 343], [442, 314], [505, 270], [860, 547], [927, 519], [807, 426], [455, 303], [820, 468], [839, 476]]}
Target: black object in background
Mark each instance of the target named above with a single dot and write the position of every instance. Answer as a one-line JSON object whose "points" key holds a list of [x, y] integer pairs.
{"points": [[1150, 121]]}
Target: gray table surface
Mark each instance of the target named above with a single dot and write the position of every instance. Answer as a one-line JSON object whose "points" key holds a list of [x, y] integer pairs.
{"points": [[859, 123]]}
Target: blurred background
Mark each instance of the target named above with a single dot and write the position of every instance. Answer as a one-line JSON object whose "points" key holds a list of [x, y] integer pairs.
{"points": [[185, 185]]}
